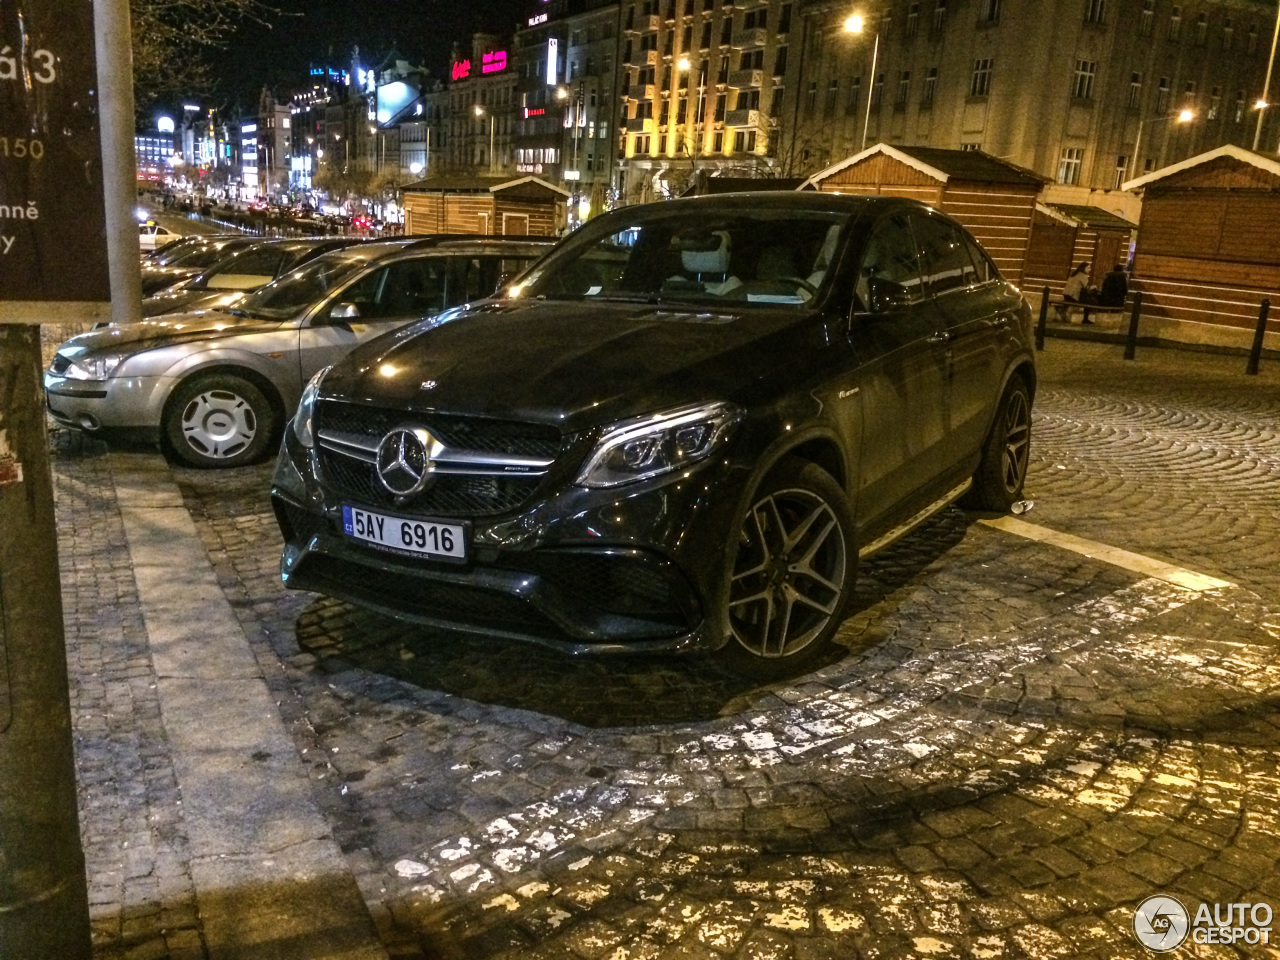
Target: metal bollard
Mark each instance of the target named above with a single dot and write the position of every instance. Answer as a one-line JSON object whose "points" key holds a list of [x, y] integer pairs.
{"points": [[1131, 342], [1044, 318], [1255, 352]]}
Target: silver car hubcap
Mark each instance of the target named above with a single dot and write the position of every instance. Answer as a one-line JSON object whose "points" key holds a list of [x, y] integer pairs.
{"points": [[219, 424], [789, 575]]}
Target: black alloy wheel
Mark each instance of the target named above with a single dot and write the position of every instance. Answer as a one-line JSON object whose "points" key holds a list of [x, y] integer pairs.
{"points": [[998, 481], [218, 420], [791, 575]]}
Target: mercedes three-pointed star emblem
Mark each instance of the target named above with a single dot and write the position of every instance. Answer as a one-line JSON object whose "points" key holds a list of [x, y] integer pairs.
{"points": [[404, 461]]}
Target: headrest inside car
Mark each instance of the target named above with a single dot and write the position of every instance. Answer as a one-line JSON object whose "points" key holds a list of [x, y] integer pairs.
{"points": [[705, 253]]}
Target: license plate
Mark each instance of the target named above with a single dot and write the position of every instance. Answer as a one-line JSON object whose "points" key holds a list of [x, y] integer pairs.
{"points": [[422, 538]]}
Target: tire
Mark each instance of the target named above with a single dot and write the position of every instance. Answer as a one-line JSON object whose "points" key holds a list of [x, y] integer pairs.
{"points": [[218, 420], [997, 483], [789, 579]]}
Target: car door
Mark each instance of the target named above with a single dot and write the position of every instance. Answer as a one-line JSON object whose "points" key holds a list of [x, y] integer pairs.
{"points": [[381, 300], [968, 294], [898, 342]]}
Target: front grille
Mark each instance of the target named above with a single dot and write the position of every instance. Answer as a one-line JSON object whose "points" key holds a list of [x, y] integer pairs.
{"points": [[449, 495], [462, 433]]}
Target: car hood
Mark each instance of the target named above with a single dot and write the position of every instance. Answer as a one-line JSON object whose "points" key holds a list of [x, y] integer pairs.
{"points": [[575, 365], [187, 301], [166, 331]]}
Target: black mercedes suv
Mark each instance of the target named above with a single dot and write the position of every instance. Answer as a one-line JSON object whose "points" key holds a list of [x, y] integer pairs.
{"points": [[677, 431]]}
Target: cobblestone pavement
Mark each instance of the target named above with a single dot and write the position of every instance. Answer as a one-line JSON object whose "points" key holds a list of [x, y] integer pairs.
{"points": [[1019, 746]]}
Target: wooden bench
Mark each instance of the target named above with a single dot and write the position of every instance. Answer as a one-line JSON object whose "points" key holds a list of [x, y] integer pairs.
{"points": [[1064, 307]]}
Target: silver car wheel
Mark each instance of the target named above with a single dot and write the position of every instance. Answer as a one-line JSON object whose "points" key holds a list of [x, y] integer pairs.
{"points": [[791, 573], [219, 424]]}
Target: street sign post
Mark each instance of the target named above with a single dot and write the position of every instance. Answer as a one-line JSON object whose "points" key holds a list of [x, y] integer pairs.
{"points": [[55, 267]]}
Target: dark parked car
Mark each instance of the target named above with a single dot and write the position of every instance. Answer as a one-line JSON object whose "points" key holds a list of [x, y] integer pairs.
{"points": [[216, 384], [189, 262], [230, 278], [678, 431]]}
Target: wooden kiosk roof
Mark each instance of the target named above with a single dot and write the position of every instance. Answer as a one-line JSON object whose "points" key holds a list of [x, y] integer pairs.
{"points": [[938, 163], [481, 184], [1226, 167]]}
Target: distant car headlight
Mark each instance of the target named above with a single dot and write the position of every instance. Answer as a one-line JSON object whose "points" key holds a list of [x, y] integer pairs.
{"points": [[98, 366], [646, 447], [302, 420]]}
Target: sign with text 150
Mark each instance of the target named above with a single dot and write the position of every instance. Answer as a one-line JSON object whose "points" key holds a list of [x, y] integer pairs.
{"points": [[52, 216]]}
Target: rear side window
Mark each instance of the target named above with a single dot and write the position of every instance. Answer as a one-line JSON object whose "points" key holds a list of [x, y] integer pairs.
{"points": [[981, 262], [947, 264]]}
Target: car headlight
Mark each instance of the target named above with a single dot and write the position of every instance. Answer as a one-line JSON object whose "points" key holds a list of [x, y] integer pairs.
{"points": [[302, 420], [93, 366], [650, 446]]}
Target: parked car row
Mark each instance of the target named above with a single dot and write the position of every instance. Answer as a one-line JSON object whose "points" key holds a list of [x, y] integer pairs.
{"points": [[678, 430]]}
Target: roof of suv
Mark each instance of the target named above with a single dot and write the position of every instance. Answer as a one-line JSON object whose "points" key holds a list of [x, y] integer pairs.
{"points": [[376, 249]]}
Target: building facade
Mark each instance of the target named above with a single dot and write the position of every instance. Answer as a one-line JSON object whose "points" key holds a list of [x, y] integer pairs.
{"points": [[704, 91], [1086, 93]]}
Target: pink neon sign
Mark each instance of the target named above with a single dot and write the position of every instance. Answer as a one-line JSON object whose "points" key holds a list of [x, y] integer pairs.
{"points": [[494, 62], [461, 68]]}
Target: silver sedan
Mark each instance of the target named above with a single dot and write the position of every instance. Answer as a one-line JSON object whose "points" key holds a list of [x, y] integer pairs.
{"points": [[217, 385]]}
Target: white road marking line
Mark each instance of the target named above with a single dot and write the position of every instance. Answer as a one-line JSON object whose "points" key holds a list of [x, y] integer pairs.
{"points": [[1147, 566]]}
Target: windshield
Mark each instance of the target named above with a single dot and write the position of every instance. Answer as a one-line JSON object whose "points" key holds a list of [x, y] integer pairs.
{"points": [[695, 254], [300, 288], [201, 256]]}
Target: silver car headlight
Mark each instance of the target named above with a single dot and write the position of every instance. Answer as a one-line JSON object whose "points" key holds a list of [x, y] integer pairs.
{"points": [[98, 366], [649, 446], [303, 428]]}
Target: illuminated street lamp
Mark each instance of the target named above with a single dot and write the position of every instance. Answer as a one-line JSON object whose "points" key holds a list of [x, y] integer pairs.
{"points": [[480, 112], [855, 25], [1183, 116], [1262, 103], [684, 66]]}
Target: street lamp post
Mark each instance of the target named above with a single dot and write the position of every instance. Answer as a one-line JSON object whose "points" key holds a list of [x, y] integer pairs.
{"points": [[1262, 103], [684, 66], [855, 25], [1184, 116], [480, 112]]}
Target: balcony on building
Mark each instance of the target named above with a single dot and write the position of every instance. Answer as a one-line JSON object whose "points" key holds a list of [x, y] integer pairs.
{"points": [[638, 124], [641, 91], [644, 58], [742, 79], [754, 37], [648, 24], [745, 118]]}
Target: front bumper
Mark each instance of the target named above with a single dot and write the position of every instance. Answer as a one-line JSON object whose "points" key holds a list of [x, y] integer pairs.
{"points": [[635, 569], [117, 402]]}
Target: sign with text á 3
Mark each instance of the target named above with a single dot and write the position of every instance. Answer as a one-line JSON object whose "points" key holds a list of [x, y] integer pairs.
{"points": [[52, 215]]}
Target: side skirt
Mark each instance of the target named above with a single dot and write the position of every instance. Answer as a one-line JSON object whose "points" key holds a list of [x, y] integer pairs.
{"points": [[902, 529]]}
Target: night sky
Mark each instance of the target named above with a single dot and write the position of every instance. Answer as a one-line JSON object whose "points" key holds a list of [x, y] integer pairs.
{"points": [[322, 32]]}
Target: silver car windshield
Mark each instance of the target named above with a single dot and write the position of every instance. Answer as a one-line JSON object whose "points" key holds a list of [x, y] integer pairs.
{"points": [[301, 288], [696, 255]]}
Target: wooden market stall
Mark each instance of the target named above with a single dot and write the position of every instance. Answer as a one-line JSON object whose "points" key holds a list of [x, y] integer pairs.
{"points": [[492, 206], [1063, 235], [1209, 246], [994, 199]]}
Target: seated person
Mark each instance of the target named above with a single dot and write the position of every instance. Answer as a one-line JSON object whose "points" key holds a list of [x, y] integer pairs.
{"points": [[1077, 290], [705, 261], [1115, 287]]}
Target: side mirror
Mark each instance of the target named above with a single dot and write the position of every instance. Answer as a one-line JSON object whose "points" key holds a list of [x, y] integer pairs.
{"points": [[886, 296], [344, 311]]}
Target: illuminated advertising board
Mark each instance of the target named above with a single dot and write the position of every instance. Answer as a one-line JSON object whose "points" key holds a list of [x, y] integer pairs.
{"points": [[553, 61], [494, 62], [394, 98]]}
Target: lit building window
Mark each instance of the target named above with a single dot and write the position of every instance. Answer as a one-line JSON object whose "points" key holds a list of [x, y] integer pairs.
{"points": [[1069, 165]]}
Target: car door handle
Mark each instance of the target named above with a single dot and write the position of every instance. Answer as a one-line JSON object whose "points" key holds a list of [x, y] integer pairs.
{"points": [[942, 336]]}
